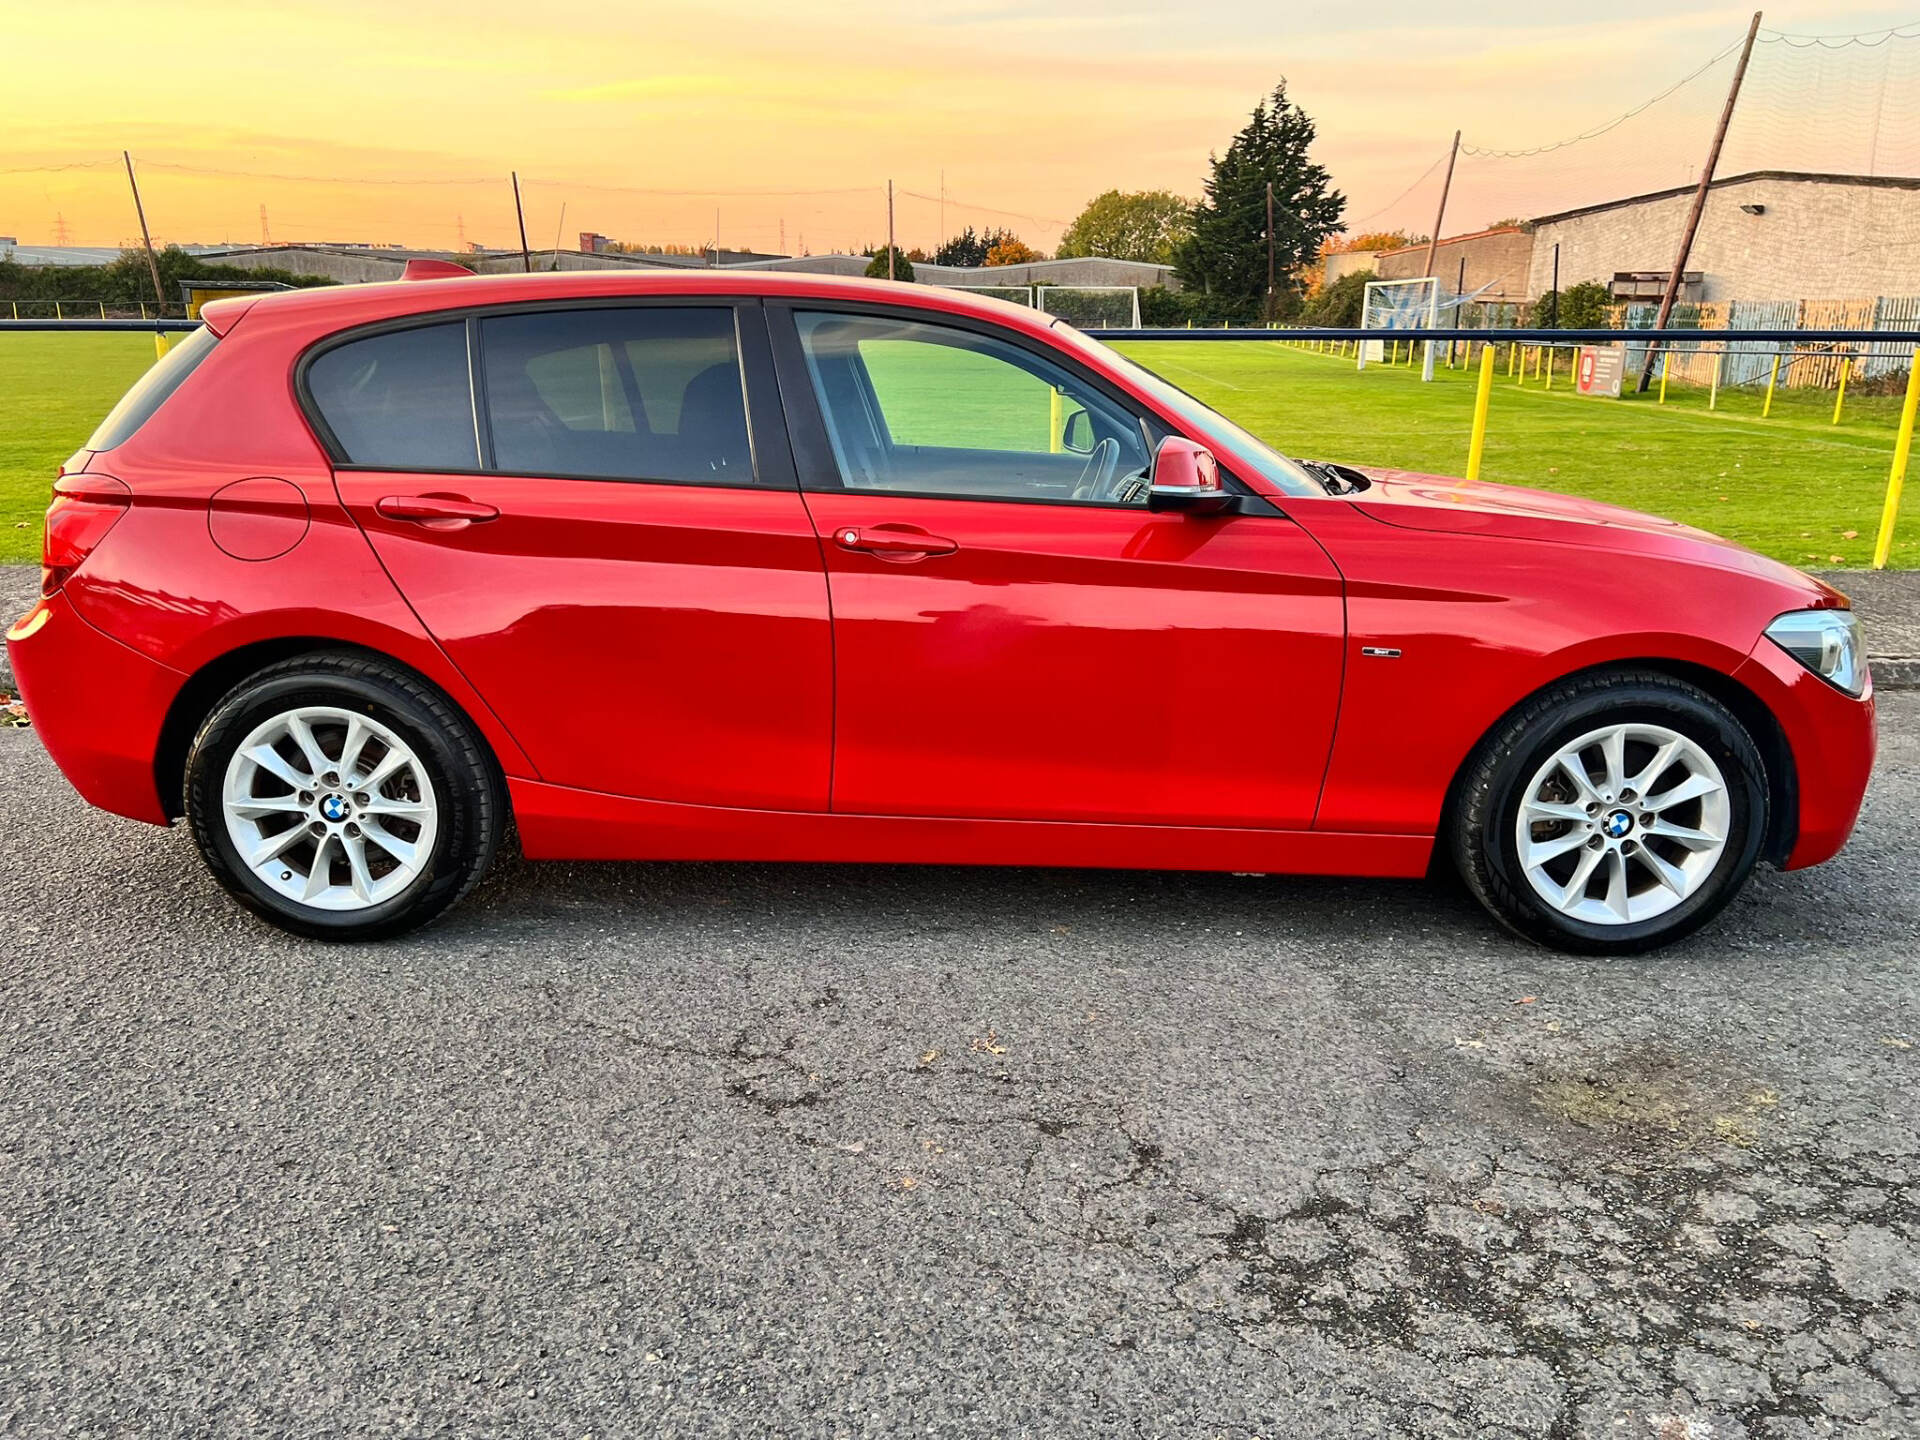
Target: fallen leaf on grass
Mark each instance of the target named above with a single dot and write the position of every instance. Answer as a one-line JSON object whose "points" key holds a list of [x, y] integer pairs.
{"points": [[1849, 534], [928, 1057]]}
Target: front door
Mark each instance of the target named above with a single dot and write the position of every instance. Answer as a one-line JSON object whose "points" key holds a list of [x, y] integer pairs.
{"points": [[1015, 635], [612, 555]]}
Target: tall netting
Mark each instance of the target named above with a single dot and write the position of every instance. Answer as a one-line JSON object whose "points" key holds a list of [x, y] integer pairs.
{"points": [[1397, 305], [1092, 307], [1828, 105], [1016, 294]]}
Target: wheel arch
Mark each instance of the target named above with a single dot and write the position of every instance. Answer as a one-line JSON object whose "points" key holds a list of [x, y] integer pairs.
{"points": [[1782, 776], [204, 687]]}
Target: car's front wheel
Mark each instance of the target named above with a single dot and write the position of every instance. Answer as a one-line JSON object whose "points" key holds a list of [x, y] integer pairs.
{"points": [[340, 797], [1612, 813]]}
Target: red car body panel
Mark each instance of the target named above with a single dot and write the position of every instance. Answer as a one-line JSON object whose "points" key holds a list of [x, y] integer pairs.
{"points": [[699, 613], [1062, 663], [702, 672]]}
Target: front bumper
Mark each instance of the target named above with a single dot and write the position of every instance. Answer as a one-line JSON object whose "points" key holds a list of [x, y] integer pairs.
{"points": [[97, 705], [1832, 737]]}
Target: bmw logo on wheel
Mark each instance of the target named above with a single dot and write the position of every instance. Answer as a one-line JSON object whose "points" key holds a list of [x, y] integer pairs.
{"points": [[334, 808], [1617, 824]]}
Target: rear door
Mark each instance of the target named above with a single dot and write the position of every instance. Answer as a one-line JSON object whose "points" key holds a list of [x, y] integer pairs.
{"points": [[593, 509], [1015, 635]]}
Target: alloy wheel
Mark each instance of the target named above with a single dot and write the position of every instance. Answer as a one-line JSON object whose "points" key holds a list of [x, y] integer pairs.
{"points": [[330, 808], [1622, 824]]}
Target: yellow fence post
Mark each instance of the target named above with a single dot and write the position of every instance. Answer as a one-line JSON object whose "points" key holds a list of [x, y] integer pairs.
{"points": [[1483, 396], [1666, 364], [1773, 378], [1513, 354], [160, 344], [1713, 392], [1518, 372], [1056, 422], [1551, 352], [1896, 477], [1846, 366]]}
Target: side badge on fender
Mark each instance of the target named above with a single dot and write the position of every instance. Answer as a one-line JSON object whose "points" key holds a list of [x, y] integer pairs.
{"points": [[1380, 652]]}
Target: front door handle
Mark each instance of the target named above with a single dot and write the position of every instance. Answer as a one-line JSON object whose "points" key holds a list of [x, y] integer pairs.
{"points": [[436, 512], [892, 542]]}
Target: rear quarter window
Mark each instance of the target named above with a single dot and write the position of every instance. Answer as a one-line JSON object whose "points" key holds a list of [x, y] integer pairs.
{"points": [[153, 389], [401, 400]]}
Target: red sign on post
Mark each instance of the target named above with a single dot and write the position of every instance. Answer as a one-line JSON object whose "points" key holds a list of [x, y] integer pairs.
{"points": [[1600, 370]]}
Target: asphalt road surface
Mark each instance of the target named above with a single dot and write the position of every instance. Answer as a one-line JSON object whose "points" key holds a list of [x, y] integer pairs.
{"points": [[753, 1150]]}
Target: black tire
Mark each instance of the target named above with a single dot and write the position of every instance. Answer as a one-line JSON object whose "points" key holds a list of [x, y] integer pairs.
{"points": [[1486, 805], [469, 794]]}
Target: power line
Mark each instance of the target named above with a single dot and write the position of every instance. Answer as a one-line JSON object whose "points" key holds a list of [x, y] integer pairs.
{"points": [[1354, 225], [969, 205]]}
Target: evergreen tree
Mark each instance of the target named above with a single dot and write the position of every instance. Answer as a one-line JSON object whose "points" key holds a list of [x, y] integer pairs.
{"points": [[1226, 256]]}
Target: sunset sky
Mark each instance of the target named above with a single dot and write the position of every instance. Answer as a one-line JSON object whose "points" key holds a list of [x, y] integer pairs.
{"points": [[399, 122]]}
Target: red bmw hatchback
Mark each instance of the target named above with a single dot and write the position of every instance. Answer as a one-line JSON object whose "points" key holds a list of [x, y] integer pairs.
{"points": [[746, 566]]}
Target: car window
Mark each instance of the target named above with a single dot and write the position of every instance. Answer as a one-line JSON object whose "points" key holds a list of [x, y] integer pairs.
{"points": [[933, 409], [643, 393], [400, 400], [153, 389]]}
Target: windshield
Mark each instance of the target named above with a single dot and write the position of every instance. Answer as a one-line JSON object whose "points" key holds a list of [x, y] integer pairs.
{"points": [[1244, 451]]}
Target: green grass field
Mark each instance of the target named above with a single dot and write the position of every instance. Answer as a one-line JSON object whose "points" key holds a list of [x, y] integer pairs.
{"points": [[1793, 486]]}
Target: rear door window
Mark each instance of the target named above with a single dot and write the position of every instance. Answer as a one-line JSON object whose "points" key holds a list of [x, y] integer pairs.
{"points": [[153, 389], [402, 400], [640, 393]]}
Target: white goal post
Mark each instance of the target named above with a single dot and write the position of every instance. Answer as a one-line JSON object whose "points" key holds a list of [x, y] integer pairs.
{"points": [[1091, 307], [1399, 305]]}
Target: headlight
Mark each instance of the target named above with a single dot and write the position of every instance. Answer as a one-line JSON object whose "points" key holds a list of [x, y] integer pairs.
{"points": [[1827, 642]]}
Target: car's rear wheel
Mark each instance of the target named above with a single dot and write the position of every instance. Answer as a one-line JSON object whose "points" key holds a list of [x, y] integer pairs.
{"points": [[340, 797], [1612, 813]]}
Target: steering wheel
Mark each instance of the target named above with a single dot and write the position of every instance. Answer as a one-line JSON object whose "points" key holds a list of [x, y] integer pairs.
{"points": [[1098, 476]]}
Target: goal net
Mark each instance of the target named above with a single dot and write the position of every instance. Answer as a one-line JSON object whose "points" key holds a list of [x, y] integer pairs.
{"points": [[1016, 294], [1092, 307], [1398, 305]]}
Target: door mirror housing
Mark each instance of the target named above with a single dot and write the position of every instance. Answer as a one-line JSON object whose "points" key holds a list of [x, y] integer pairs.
{"points": [[1077, 434], [1186, 477]]}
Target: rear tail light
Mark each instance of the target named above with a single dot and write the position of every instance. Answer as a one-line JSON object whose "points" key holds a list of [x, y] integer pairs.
{"points": [[83, 511]]}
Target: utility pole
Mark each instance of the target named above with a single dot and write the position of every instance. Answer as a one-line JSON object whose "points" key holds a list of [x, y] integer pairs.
{"points": [[1440, 215], [153, 265], [1270, 304], [526, 255], [1699, 204], [890, 245], [1553, 305]]}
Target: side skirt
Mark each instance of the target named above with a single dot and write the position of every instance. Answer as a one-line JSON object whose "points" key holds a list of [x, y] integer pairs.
{"points": [[558, 823]]}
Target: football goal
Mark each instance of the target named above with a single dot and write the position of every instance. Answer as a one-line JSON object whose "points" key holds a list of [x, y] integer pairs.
{"points": [[1016, 294], [1092, 307], [1399, 305]]}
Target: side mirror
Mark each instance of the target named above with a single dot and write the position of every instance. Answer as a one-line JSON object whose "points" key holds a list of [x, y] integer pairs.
{"points": [[1077, 434], [1186, 477]]}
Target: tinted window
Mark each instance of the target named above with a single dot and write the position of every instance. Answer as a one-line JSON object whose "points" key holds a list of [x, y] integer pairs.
{"points": [[936, 410], [153, 389], [401, 400], [633, 394]]}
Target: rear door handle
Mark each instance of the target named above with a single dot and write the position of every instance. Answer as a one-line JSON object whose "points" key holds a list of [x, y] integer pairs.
{"points": [[436, 512], [892, 541]]}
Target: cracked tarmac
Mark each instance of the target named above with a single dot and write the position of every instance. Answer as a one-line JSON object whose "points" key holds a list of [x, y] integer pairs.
{"points": [[748, 1150]]}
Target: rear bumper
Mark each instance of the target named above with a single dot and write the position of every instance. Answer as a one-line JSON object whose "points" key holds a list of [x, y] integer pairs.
{"points": [[1832, 737], [97, 705]]}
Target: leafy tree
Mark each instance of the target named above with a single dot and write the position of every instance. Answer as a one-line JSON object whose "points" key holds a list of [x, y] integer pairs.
{"points": [[966, 248], [902, 267], [1144, 225], [1012, 250], [1340, 304], [1227, 253], [971, 250], [1586, 306]]}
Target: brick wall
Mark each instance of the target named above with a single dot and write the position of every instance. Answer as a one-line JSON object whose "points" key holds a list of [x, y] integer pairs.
{"points": [[1816, 239], [1494, 257]]}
